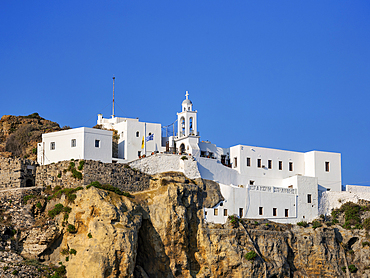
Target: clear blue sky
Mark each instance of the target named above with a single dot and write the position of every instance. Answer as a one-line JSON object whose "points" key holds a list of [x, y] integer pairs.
{"points": [[282, 74]]}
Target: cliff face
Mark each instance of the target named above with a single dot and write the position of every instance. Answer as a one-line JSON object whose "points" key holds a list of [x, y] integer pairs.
{"points": [[160, 233]]}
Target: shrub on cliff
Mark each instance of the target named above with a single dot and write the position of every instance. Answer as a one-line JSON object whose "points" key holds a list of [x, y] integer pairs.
{"points": [[316, 224], [58, 208], [367, 224], [108, 187], [250, 256], [302, 224]]}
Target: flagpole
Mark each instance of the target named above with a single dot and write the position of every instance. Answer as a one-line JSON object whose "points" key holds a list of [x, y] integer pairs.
{"points": [[145, 138]]}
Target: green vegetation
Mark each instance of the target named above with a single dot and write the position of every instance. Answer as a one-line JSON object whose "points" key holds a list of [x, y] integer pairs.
{"points": [[76, 174], [72, 252], [58, 208], [302, 224], [5, 268], [69, 192], [28, 197], [64, 251], [59, 175], [351, 214], [233, 220], [108, 187], [33, 116], [367, 224], [316, 224], [250, 256], [71, 229], [89, 235], [81, 165], [184, 157], [59, 272], [38, 205], [365, 243], [352, 268], [34, 150]]}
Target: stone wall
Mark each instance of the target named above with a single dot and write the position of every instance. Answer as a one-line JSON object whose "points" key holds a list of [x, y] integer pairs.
{"points": [[117, 175], [16, 172]]}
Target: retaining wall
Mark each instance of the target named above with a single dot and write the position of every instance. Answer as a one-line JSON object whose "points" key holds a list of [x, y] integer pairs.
{"points": [[117, 175]]}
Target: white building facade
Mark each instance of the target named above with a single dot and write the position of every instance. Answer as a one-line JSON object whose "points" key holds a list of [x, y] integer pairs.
{"points": [[282, 186], [77, 143], [135, 138]]}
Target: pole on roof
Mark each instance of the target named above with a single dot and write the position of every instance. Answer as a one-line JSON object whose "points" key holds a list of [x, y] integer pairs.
{"points": [[113, 98]]}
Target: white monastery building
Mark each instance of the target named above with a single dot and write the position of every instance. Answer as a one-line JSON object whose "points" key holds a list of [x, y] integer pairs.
{"points": [[257, 183]]}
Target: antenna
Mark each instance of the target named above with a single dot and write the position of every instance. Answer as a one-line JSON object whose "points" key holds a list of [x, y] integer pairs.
{"points": [[113, 98]]}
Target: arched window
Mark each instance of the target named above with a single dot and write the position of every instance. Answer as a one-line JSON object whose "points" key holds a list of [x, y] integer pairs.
{"points": [[191, 125], [137, 133], [182, 126]]}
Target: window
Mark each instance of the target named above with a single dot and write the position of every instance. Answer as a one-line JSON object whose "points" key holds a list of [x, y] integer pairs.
{"points": [[150, 133], [97, 143], [286, 212], [248, 161], [139, 153], [73, 143], [52, 145], [205, 213], [327, 168], [241, 212], [260, 211], [280, 165], [290, 166], [274, 211], [259, 163], [137, 133], [251, 182], [225, 212], [269, 164], [215, 212], [235, 162], [309, 199]]}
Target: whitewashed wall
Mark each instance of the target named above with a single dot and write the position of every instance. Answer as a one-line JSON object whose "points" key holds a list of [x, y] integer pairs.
{"points": [[85, 145], [331, 200], [161, 163], [129, 144]]}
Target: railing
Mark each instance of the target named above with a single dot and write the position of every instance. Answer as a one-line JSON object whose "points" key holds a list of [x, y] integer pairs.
{"points": [[273, 189], [169, 130]]}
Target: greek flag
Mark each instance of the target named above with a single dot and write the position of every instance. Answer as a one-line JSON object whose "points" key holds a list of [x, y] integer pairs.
{"points": [[150, 137]]}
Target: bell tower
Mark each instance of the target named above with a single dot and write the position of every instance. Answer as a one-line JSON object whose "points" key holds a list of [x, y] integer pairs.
{"points": [[187, 130], [187, 119]]}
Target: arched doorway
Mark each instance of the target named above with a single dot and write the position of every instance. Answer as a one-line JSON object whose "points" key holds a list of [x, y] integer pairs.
{"points": [[182, 148], [29, 183]]}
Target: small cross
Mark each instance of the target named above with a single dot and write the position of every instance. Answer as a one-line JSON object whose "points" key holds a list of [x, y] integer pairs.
{"points": [[187, 94]]}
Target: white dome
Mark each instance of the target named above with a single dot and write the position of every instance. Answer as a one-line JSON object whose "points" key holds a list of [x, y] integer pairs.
{"points": [[187, 101]]}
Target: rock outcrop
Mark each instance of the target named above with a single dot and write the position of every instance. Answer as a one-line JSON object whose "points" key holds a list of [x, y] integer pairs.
{"points": [[160, 232], [19, 135]]}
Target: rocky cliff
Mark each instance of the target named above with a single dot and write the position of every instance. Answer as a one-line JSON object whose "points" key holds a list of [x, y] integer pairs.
{"points": [[160, 232], [19, 135]]}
